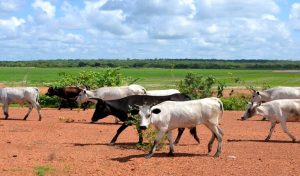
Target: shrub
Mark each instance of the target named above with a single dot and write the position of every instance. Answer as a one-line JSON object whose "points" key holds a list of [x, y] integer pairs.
{"points": [[234, 103], [197, 86]]}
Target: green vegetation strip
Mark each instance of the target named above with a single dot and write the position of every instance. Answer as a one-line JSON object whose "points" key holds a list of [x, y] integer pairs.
{"points": [[153, 78]]}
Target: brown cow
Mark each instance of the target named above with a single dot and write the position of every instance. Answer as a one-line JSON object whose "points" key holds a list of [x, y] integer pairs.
{"points": [[68, 93]]}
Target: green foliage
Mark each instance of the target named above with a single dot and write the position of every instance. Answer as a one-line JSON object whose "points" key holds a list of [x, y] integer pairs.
{"points": [[43, 170], [196, 85], [149, 135], [158, 63], [92, 79], [50, 102], [235, 103]]}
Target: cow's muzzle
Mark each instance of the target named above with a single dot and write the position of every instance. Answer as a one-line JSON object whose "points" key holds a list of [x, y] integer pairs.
{"points": [[243, 118]]}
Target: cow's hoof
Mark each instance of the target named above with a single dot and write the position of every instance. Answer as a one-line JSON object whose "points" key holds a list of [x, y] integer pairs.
{"points": [[175, 143], [112, 143], [170, 154], [294, 140], [148, 156], [216, 155]]}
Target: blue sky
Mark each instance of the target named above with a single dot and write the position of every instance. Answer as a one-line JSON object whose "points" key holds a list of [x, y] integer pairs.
{"points": [[91, 29]]}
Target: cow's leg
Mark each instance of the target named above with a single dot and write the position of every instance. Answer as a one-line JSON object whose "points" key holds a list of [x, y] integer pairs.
{"points": [[156, 142], [193, 132], [119, 131], [60, 103], [38, 108], [285, 129], [215, 130], [70, 104], [170, 138], [180, 132], [273, 124], [29, 111], [5, 110], [211, 141]]}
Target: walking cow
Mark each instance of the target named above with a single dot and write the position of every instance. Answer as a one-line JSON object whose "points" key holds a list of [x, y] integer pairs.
{"points": [[68, 93], [20, 95], [279, 111], [169, 115], [110, 93], [121, 109], [275, 93]]}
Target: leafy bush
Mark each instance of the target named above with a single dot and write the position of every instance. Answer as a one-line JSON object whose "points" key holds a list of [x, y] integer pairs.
{"points": [[197, 86], [235, 103], [92, 79]]}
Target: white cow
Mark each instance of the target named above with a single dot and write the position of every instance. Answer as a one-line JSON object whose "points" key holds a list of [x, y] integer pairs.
{"points": [[277, 111], [170, 115], [20, 95], [275, 93], [110, 93], [162, 92]]}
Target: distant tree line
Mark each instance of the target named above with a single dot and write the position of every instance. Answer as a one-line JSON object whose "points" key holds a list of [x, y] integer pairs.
{"points": [[159, 63]]}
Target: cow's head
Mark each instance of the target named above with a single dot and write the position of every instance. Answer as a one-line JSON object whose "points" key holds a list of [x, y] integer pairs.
{"points": [[102, 110], [255, 97], [250, 110], [82, 97], [146, 113], [51, 91]]}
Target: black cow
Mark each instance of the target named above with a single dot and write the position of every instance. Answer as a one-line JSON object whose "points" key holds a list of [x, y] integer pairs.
{"points": [[121, 107], [68, 93]]}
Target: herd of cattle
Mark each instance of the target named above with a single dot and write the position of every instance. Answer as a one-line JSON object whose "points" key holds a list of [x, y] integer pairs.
{"points": [[165, 109]]}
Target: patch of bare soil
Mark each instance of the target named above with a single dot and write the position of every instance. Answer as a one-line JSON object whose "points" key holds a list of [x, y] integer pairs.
{"points": [[67, 143]]}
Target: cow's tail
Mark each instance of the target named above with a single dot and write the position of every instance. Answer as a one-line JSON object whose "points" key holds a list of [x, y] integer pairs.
{"points": [[37, 94], [221, 108]]}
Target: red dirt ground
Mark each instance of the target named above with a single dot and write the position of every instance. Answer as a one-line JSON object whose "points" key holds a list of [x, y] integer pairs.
{"points": [[80, 148]]}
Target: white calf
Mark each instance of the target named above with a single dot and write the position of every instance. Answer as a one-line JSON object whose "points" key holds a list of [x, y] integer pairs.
{"points": [[170, 115], [276, 111], [20, 95]]}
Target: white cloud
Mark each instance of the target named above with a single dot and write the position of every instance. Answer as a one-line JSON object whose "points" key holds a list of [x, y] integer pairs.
{"points": [[45, 6], [8, 6], [235, 8], [152, 28], [9, 28], [295, 12], [294, 16]]}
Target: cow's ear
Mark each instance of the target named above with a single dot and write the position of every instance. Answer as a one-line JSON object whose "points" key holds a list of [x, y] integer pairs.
{"points": [[156, 111], [257, 93]]}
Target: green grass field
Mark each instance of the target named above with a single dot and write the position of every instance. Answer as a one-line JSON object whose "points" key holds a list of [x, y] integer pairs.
{"points": [[153, 78]]}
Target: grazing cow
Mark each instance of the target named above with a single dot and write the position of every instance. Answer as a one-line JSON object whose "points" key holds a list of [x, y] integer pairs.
{"points": [[275, 94], [20, 95], [110, 93], [68, 93], [277, 111], [121, 107], [162, 92], [169, 115]]}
